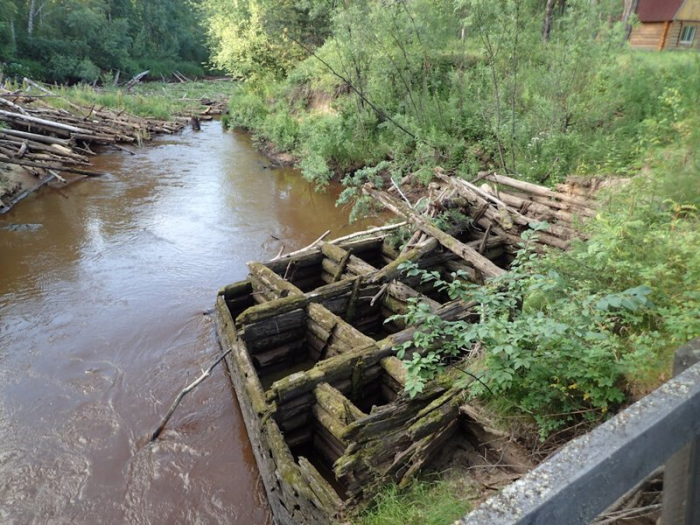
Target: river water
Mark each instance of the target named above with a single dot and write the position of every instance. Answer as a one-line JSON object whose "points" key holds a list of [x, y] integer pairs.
{"points": [[103, 319]]}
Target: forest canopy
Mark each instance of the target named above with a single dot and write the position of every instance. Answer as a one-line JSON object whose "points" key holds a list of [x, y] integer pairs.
{"points": [[69, 41]]}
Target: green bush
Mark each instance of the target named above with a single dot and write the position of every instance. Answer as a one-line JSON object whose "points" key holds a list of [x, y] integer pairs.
{"points": [[572, 335]]}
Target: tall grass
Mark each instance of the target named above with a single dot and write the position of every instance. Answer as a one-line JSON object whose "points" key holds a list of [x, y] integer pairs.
{"points": [[153, 99], [437, 502]]}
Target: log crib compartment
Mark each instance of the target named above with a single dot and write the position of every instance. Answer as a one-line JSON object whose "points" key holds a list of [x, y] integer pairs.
{"points": [[239, 297], [295, 341]]}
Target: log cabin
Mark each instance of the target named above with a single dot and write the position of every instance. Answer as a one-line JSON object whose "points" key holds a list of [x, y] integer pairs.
{"points": [[667, 24]]}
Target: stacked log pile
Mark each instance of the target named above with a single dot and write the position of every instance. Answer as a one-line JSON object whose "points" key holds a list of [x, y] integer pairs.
{"points": [[313, 360], [45, 139]]}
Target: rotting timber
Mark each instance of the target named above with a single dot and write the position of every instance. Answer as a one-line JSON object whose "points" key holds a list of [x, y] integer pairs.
{"points": [[312, 363], [44, 141]]}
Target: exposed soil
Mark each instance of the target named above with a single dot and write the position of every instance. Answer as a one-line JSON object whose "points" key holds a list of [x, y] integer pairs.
{"points": [[15, 183]]}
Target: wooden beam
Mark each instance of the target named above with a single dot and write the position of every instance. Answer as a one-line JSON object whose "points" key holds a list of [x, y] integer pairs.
{"points": [[467, 253]]}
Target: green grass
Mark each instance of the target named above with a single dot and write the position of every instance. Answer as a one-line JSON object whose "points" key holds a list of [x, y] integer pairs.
{"points": [[434, 502], [153, 99]]}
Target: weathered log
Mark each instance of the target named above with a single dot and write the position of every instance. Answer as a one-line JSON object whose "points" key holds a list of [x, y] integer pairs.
{"points": [[310, 247], [273, 281], [34, 136], [541, 191], [336, 404], [329, 422], [328, 499], [274, 325], [135, 80], [268, 310], [394, 368], [506, 217], [342, 330], [12, 105], [263, 344], [68, 169], [278, 354], [43, 122], [236, 289], [468, 253]]}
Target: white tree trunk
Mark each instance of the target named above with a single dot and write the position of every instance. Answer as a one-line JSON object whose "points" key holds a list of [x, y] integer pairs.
{"points": [[32, 14]]}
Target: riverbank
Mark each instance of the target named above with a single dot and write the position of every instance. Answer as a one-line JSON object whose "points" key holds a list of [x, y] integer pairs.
{"points": [[51, 131], [578, 335]]}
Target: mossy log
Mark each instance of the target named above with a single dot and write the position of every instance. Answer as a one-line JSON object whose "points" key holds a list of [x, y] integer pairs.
{"points": [[327, 498], [286, 266], [299, 492], [424, 451], [235, 290], [329, 422], [330, 370], [391, 270], [333, 252], [272, 281], [332, 323], [395, 369], [271, 309], [253, 407], [336, 404]]}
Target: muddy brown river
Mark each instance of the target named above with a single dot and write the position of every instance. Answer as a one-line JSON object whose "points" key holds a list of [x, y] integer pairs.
{"points": [[102, 322]]}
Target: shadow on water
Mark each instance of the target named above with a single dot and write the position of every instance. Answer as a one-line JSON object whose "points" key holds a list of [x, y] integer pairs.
{"points": [[101, 324]]}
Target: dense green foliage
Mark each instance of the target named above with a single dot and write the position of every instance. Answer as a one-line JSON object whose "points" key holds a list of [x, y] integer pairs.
{"points": [[401, 87], [566, 337], [79, 40], [467, 85]]}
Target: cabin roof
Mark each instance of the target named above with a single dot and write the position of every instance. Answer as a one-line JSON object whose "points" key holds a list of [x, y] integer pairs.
{"points": [[658, 10]]}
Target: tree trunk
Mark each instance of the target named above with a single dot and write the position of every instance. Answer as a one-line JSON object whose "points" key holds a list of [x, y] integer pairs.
{"points": [[30, 20], [630, 9], [548, 14]]}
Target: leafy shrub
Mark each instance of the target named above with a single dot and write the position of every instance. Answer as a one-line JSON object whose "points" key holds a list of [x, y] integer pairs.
{"points": [[570, 336]]}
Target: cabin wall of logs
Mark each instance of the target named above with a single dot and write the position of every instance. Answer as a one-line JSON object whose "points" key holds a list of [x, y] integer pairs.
{"points": [[313, 363]]}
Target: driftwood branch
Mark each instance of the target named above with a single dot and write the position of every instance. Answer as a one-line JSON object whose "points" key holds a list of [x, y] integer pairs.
{"points": [[309, 247], [371, 231], [183, 393]]}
